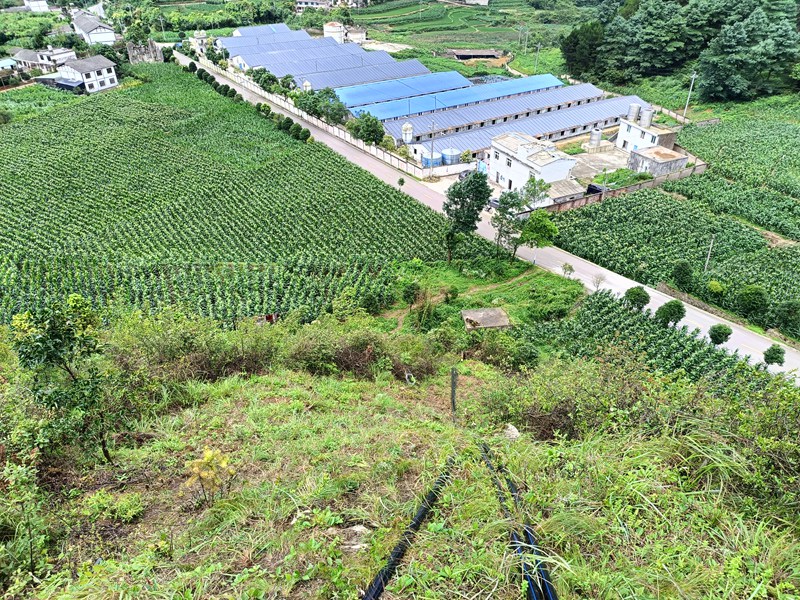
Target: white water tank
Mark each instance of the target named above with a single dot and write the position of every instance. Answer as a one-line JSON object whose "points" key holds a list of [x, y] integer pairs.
{"points": [[595, 137], [633, 111], [647, 117], [335, 30]]}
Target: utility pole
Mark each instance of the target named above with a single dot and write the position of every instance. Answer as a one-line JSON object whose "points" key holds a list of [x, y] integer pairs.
{"points": [[433, 128], [527, 33], [708, 257], [536, 64], [689, 95], [161, 18]]}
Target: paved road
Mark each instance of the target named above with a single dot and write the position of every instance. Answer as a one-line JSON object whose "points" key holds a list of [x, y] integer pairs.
{"points": [[746, 341]]}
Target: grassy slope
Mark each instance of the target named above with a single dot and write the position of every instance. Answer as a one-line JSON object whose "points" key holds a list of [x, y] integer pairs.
{"points": [[316, 456]]}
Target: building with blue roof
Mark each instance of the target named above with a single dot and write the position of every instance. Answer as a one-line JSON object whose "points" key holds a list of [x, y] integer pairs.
{"points": [[384, 91], [556, 125], [260, 30], [351, 76], [463, 97]]}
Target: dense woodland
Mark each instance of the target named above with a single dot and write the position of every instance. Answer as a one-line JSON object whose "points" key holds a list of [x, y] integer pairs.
{"points": [[740, 49]]}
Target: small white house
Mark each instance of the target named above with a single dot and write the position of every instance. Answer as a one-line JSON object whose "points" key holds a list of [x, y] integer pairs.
{"points": [[638, 131], [92, 29], [516, 157], [37, 5], [96, 73], [301, 5], [45, 60]]}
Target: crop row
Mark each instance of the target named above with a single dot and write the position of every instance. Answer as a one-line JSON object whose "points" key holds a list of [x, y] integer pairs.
{"points": [[769, 209], [175, 174]]}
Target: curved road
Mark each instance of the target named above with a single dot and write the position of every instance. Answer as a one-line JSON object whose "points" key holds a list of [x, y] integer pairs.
{"points": [[746, 341]]}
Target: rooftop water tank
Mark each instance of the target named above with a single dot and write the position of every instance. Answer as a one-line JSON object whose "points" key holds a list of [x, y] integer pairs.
{"points": [[431, 160], [335, 30], [595, 137], [451, 156], [633, 111], [647, 117]]}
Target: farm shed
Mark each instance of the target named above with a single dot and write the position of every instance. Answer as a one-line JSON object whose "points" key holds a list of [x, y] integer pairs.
{"points": [[384, 91], [493, 112], [462, 97], [349, 60], [555, 125], [471, 54], [656, 160], [485, 318], [350, 76], [257, 30]]}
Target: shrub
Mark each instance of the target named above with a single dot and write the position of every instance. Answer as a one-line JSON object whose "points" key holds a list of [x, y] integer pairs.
{"points": [[719, 334], [636, 298], [753, 301], [305, 135], [683, 275], [774, 355], [266, 109], [670, 313], [286, 124], [295, 130], [210, 477], [231, 93], [238, 98], [192, 67]]}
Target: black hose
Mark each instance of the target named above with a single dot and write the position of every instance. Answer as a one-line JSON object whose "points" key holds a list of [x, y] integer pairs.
{"points": [[545, 583], [533, 591], [378, 585]]}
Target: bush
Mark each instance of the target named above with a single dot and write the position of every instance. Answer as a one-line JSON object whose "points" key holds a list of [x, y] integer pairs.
{"points": [[670, 313], [192, 67], [231, 93], [305, 135], [286, 124], [295, 130], [238, 98], [719, 334], [753, 302], [683, 275], [774, 355], [266, 109], [636, 298]]}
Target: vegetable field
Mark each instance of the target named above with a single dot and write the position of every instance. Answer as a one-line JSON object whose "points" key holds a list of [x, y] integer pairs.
{"points": [[763, 207], [642, 235], [603, 320], [754, 145], [32, 100], [168, 192]]}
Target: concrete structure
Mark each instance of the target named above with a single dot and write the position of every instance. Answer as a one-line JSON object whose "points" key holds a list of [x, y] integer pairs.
{"points": [[516, 157], [656, 160], [7, 64], [472, 54], [485, 318], [45, 60], [96, 73], [639, 133], [92, 29]]}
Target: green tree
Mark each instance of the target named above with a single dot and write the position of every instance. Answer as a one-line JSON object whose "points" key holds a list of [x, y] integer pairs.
{"points": [[579, 48], [683, 275], [57, 343], [507, 226], [774, 355], [400, 183], [534, 191], [670, 313], [538, 231], [787, 315], [753, 301], [367, 128], [465, 201], [295, 130], [192, 67], [636, 297], [719, 334], [410, 293]]}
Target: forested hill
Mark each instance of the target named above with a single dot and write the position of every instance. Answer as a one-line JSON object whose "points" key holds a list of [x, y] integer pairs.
{"points": [[740, 49]]}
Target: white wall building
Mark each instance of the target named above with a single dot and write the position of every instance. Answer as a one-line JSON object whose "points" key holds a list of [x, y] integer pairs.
{"points": [[92, 29], [37, 5], [96, 72], [638, 131], [46, 60], [301, 5], [516, 157]]}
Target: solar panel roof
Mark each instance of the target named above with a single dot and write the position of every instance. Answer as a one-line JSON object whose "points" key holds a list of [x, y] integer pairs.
{"points": [[493, 109], [384, 91], [347, 76], [329, 63], [261, 29], [453, 98], [552, 122]]}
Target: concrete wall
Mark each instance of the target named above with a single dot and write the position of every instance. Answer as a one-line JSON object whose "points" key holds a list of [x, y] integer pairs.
{"points": [[643, 164]]}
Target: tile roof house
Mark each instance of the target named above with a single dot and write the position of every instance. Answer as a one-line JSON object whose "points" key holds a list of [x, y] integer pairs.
{"points": [[92, 29], [93, 74]]}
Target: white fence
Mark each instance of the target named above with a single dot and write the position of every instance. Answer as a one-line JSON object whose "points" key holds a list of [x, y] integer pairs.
{"points": [[287, 106]]}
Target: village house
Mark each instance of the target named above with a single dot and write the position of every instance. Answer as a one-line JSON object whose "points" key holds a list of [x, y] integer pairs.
{"points": [[637, 131], [46, 61], [93, 74], [91, 29], [516, 157]]}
